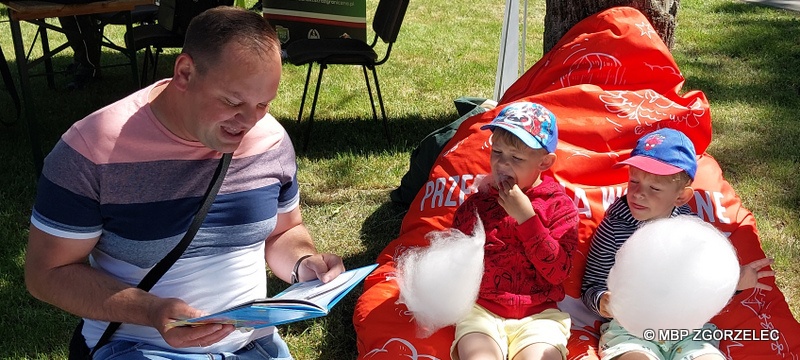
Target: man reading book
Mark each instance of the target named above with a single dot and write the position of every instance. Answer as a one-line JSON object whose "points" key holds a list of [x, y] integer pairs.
{"points": [[122, 185]]}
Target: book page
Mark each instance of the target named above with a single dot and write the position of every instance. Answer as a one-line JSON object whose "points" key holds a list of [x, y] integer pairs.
{"points": [[317, 292]]}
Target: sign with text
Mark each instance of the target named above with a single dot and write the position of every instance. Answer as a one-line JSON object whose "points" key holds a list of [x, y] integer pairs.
{"points": [[317, 19]]}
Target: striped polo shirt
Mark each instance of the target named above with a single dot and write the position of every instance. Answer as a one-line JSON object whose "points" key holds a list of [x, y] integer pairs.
{"points": [[119, 175]]}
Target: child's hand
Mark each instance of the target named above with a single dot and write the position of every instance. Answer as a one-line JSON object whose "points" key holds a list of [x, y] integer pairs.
{"points": [[749, 275], [514, 201], [605, 310]]}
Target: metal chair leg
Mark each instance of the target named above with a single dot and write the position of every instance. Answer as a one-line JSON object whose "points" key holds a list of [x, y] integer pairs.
{"points": [[383, 110], [369, 91], [305, 91], [322, 68]]}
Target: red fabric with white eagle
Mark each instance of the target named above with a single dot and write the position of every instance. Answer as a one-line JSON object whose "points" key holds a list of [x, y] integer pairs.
{"points": [[608, 81]]}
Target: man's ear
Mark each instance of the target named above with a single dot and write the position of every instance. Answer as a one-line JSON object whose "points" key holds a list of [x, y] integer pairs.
{"points": [[685, 195], [183, 71], [547, 161]]}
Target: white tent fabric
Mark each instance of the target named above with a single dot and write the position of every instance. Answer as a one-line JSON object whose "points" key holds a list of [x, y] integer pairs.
{"points": [[509, 66]]}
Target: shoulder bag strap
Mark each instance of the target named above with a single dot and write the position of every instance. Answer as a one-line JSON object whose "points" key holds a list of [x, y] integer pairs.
{"points": [[161, 268]]}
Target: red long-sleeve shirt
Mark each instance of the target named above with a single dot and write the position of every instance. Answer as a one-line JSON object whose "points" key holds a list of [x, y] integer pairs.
{"points": [[525, 264]]}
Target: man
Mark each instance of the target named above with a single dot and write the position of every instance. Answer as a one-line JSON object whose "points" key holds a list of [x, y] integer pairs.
{"points": [[84, 37], [122, 185]]}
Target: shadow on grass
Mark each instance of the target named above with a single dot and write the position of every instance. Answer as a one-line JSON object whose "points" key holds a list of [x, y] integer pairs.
{"points": [[764, 51], [362, 135], [30, 328]]}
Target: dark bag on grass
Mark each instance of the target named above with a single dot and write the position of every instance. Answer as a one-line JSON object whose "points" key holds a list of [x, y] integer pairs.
{"points": [[77, 345]]}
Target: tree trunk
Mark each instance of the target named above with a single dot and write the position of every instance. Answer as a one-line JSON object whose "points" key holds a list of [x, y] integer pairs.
{"points": [[561, 15]]}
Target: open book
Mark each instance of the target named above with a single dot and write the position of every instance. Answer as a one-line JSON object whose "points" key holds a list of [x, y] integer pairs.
{"points": [[301, 301]]}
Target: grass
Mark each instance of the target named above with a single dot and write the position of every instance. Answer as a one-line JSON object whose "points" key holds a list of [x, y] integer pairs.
{"points": [[743, 57]]}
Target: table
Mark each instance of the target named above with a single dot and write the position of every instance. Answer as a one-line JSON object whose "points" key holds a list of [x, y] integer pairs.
{"points": [[36, 12]]}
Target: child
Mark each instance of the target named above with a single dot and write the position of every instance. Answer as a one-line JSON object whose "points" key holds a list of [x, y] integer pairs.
{"points": [[661, 169], [531, 230]]}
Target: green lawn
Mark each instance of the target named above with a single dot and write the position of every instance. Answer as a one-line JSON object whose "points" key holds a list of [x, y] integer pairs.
{"points": [[746, 59]]}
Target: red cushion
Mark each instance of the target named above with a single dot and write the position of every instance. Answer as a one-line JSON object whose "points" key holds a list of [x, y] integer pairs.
{"points": [[609, 81]]}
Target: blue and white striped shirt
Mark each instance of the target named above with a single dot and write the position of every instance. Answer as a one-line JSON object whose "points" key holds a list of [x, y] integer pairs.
{"points": [[617, 226]]}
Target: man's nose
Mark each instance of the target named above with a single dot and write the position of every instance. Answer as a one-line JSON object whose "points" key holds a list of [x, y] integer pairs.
{"points": [[250, 116]]}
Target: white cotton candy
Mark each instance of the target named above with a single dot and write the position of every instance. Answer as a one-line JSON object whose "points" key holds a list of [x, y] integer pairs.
{"points": [[673, 273], [439, 283]]}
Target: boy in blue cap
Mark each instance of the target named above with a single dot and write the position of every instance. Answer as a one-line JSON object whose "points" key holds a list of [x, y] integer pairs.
{"points": [[531, 230], [661, 169]]}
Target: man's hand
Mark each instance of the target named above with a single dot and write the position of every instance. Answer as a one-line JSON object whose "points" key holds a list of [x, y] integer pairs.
{"points": [[749, 275], [165, 311], [514, 201], [289, 242], [325, 267], [605, 309]]}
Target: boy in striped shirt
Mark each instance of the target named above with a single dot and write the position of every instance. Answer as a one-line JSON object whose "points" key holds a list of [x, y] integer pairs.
{"points": [[662, 167]]}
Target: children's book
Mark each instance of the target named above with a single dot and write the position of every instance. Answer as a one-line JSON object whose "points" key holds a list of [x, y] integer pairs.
{"points": [[301, 301]]}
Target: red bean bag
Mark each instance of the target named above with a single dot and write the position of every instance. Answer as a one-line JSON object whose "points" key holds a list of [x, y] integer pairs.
{"points": [[609, 81]]}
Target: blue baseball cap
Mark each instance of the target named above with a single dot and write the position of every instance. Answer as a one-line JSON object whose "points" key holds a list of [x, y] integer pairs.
{"points": [[664, 152], [530, 122]]}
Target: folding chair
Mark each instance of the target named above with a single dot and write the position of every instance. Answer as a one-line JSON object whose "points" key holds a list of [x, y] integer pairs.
{"points": [[386, 25]]}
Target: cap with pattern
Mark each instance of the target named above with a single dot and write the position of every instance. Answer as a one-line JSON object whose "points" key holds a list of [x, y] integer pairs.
{"points": [[530, 122]]}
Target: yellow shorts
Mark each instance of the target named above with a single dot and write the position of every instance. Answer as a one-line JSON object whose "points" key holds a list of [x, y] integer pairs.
{"points": [[512, 335]]}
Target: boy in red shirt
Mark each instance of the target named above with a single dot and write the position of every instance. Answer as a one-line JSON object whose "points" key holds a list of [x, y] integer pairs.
{"points": [[531, 230]]}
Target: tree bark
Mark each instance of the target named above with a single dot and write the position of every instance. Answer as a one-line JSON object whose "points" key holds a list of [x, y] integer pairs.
{"points": [[561, 15]]}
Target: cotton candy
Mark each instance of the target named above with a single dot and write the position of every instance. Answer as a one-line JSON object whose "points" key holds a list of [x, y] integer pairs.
{"points": [[439, 283], [673, 273]]}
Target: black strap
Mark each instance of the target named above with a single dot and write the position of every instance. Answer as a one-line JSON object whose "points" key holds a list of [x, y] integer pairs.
{"points": [[161, 268]]}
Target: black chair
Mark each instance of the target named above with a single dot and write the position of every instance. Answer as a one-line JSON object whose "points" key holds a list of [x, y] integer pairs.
{"points": [[168, 31], [141, 14], [386, 25]]}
